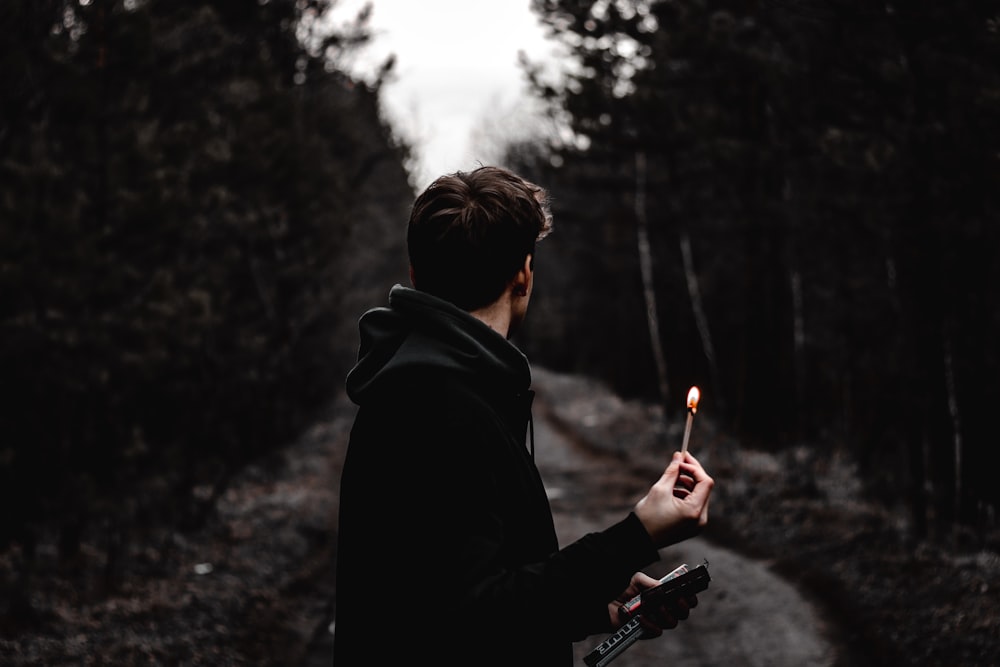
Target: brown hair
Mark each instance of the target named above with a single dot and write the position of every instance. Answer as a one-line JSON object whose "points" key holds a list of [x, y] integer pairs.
{"points": [[469, 233]]}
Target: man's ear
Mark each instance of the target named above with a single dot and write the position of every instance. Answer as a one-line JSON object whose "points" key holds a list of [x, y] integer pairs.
{"points": [[412, 281], [524, 278]]}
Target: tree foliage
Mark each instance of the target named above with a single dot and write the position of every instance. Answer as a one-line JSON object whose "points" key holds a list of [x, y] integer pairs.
{"points": [[834, 165], [179, 188]]}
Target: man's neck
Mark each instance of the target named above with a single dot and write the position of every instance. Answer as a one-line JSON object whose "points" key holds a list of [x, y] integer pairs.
{"points": [[496, 315]]}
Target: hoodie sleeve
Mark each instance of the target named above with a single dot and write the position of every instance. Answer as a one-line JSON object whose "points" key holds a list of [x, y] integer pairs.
{"points": [[491, 515], [607, 559]]}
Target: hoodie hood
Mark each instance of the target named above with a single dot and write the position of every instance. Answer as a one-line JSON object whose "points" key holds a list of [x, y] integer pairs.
{"points": [[420, 331]]}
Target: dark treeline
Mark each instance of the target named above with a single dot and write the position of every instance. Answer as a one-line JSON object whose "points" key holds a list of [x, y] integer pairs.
{"points": [[180, 190], [818, 185], [196, 204]]}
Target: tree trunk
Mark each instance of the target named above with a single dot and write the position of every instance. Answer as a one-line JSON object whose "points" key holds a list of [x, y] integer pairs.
{"points": [[956, 426], [648, 290], [701, 322]]}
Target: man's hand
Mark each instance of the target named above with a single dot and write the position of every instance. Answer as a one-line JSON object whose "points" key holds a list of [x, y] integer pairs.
{"points": [[669, 515], [656, 619]]}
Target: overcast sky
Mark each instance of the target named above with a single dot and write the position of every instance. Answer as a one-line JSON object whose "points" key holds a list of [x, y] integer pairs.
{"points": [[456, 61]]}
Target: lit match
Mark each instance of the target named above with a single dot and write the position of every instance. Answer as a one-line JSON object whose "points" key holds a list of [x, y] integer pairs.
{"points": [[693, 395]]}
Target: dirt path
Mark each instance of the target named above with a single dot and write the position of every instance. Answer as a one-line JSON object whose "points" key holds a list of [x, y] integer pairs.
{"points": [[748, 616]]}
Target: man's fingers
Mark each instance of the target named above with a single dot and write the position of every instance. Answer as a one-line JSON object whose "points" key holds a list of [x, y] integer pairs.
{"points": [[655, 624], [673, 469], [680, 610]]}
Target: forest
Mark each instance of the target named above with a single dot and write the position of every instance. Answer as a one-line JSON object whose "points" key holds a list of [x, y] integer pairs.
{"points": [[792, 204]]}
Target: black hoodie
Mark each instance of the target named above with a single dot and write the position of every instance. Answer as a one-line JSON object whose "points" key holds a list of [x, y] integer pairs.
{"points": [[446, 546]]}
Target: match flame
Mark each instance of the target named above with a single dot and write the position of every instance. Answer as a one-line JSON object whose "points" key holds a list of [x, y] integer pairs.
{"points": [[693, 395]]}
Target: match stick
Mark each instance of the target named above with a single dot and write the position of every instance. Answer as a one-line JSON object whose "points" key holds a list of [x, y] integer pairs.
{"points": [[692, 404]]}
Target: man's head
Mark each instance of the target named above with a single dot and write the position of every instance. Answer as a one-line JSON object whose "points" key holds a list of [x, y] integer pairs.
{"points": [[470, 232]]}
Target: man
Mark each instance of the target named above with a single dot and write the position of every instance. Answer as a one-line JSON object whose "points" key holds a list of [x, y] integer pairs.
{"points": [[447, 551]]}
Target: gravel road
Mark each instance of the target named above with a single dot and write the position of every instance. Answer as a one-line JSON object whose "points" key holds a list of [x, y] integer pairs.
{"points": [[749, 616]]}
